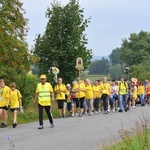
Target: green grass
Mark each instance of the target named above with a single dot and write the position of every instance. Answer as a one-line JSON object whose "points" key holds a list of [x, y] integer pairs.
{"points": [[94, 77], [137, 138]]}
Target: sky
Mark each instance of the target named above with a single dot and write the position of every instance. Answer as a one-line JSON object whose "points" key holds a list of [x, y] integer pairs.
{"points": [[111, 21]]}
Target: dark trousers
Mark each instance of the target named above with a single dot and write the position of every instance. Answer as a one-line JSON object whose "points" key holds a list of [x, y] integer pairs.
{"points": [[48, 112], [105, 98], [96, 103]]}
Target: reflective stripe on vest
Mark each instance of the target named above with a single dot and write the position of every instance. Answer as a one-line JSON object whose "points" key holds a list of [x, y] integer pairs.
{"points": [[44, 93]]}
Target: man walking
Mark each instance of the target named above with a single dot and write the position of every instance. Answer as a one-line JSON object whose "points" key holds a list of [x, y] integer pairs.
{"points": [[123, 90], [44, 93]]}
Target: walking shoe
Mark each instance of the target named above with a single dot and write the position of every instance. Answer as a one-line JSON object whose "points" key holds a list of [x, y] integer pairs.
{"points": [[120, 110], [113, 110], [40, 127], [14, 125], [3, 125], [106, 112], [80, 115], [52, 125], [126, 110], [72, 114]]}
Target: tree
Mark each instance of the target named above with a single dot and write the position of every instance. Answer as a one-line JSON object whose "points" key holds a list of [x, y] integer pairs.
{"points": [[64, 40], [115, 56], [116, 71], [99, 66], [14, 56], [136, 49]]}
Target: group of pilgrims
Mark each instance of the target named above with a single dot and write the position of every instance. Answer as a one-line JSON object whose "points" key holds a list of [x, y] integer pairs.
{"points": [[75, 99], [83, 97]]}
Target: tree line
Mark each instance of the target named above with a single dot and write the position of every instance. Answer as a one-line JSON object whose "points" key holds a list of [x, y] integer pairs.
{"points": [[133, 54]]}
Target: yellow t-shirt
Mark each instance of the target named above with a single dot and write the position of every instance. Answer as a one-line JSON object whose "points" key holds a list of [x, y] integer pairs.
{"points": [[135, 92], [88, 92], [141, 89], [96, 91], [105, 88], [80, 86], [42, 88], [68, 98], [14, 97], [61, 95], [4, 96]]}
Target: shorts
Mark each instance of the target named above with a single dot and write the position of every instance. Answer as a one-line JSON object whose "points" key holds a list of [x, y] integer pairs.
{"points": [[4, 107], [14, 109], [60, 104]]}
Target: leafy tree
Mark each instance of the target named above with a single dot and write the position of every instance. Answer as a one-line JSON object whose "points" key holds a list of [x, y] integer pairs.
{"points": [[116, 71], [14, 56], [141, 71], [115, 56], [64, 40], [136, 49], [99, 66]]}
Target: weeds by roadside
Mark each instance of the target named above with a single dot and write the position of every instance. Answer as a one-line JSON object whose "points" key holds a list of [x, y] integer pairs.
{"points": [[137, 138]]}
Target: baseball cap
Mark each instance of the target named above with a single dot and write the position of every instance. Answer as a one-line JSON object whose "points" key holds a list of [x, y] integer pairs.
{"points": [[43, 76]]}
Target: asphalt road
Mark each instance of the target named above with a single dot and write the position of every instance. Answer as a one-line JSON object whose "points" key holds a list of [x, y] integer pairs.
{"points": [[72, 133]]}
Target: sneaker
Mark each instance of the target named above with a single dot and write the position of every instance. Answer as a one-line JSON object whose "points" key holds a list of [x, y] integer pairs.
{"points": [[90, 114], [77, 114], [126, 110], [113, 110], [106, 112], [40, 127], [120, 110], [133, 107], [72, 114], [80, 115], [96, 112], [85, 112], [14, 125], [3, 125], [52, 125]]}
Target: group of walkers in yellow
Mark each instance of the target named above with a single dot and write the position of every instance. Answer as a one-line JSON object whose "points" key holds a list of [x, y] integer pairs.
{"points": [[80, 97], [9, 96]]}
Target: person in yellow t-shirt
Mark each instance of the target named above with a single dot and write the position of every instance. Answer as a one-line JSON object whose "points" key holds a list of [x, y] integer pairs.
{"points": [[68, 98], [14, 101], [134, 98], [105, 91], [60, 91], [141, 93], [44, 93], [4, 90], [97, 96], [79, 89], [89, 96]]}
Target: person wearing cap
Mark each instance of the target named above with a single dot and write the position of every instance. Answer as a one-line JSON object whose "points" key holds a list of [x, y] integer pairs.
{"points": [[44, 93]]}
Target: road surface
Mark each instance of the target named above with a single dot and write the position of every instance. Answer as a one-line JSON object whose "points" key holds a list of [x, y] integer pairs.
{"points": [[72, 133]]}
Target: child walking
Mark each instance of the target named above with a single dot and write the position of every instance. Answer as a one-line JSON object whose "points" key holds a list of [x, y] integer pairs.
{"points": [[14, 101]]}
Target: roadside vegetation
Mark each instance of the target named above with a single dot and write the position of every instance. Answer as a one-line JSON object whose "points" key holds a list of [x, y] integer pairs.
{"points": [[137, 138]]}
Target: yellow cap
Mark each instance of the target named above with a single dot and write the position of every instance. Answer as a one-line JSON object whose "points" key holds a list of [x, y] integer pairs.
{"points": [[43, 76]]}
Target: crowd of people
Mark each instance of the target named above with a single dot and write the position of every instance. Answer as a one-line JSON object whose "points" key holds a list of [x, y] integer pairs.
{"points": [[80, 97], [84, 97]]}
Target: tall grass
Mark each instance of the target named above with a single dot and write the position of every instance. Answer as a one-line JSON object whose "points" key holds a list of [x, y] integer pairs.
{"points": [[137, 138]]}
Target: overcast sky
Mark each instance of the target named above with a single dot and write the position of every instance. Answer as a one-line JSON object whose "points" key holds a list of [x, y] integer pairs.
{"points": [[111, 21]]}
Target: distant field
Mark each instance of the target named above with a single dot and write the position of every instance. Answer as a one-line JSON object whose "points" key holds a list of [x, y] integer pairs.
{"points": [[94, 77]]}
